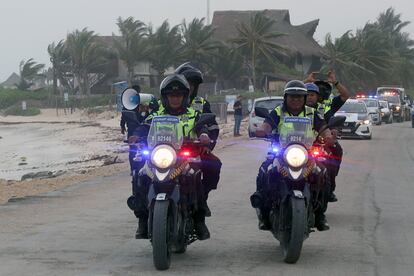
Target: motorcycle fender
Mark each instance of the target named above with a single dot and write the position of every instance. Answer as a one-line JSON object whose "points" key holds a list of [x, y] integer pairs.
{"points": [[175, 195], [151, 194]]}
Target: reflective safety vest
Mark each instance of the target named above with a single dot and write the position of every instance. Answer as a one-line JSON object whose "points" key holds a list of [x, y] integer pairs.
{"points": [[324, 107], [187, 120], [286, 128], [198, 103]]}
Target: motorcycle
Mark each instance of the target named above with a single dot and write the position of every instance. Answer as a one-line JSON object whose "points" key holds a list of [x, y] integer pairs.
{"points": [[295, 182], [172, 166]]}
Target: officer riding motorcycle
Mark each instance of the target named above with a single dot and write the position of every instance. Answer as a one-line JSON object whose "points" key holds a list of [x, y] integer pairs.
{"points": [[175, 99], [295, 94], [320, 98], [211, 166], [290, 188]]}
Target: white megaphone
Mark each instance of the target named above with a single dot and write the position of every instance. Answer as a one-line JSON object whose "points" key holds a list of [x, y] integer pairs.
{"points": [[131, 98]]}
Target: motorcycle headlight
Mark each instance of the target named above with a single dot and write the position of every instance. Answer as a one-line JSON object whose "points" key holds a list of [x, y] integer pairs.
{"points": [[296, 156], [365, 122], [397, 108], [163, 156]]}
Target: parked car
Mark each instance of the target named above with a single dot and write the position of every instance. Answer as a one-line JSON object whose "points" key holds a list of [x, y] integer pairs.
{"points": [[412, 116], [373, 110], [357, 123], [386, 113], [267, 102]]}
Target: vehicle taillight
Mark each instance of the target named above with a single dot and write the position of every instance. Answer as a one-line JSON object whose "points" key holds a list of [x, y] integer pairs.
{"points": [[316, 152], [186, 153]]}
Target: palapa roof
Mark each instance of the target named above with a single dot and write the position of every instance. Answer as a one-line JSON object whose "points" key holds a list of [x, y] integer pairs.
{"points": [[299, 39], [11, 81]]}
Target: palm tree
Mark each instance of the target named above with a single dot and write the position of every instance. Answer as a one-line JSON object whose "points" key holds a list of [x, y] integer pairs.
{"points": [[256, 39], [198, 43], [29, 71], [59, 57], [340, 55], [374, 52], [227, 66], [165, 47], [86, 55], [132, 46], [391, 23]]}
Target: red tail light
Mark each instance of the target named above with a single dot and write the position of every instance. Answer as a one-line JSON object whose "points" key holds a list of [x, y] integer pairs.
{"points": [[186, 153], [316, 152]]}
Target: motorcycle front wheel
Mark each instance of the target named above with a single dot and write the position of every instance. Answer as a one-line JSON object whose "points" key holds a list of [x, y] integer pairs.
{"points": [[293, 237], [161, 231]]}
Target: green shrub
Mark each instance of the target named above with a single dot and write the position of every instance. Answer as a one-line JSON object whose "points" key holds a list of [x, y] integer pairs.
{"points": [[17, 110], [10, 97]]}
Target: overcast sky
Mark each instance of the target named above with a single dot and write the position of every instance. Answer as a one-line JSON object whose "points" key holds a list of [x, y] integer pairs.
{"points": [[28, 26]]}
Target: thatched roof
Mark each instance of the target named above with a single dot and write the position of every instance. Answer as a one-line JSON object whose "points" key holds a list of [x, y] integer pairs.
{"points": [[299, 39], [11, 81]]}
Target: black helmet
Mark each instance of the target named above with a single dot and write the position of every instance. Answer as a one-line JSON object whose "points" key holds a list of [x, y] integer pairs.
{"points": [[190, 72], [173, 84], [193, 76], [325, 89], [295, 87]]}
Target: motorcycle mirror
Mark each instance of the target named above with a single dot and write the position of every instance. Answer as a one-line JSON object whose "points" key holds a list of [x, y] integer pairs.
{"points": [[262, 112], [336, 121]]}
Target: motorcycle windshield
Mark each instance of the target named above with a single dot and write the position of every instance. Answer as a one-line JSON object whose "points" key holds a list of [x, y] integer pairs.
{"points": [[296, 130], [165, 130]]}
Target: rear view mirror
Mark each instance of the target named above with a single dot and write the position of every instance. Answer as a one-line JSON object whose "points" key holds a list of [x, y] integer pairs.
{"points": [[336, 121], [262, 112]]}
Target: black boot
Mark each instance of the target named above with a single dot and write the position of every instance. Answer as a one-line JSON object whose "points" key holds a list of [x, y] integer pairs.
{"points": [[264, 223], [332, 197], [320, 222], [142, 231], [206, 208], [200, 226]]}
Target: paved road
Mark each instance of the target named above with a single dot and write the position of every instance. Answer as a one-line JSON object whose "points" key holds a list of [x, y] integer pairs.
{"points": [[87, 229]]}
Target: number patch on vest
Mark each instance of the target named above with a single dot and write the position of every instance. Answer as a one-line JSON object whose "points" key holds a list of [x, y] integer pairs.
{"points": [[295, 139]]}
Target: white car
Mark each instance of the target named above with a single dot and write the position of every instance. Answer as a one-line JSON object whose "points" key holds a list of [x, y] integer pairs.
{"points": [[373, 110], [267, 102], [386, 112], [357, 123]]}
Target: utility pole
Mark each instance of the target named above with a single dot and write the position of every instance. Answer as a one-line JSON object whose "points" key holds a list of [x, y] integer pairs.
{"points": [[208, 12]]}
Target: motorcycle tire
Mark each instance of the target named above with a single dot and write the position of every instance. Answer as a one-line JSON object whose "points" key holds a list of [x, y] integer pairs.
{"points": [[161, 231], [180, 245], [293, 238]]}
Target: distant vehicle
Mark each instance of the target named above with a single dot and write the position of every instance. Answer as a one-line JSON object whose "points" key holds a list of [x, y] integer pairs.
{"points": [[395, 96], [412, 116], [357, 123], [386, 113], [373, 109], [269, 103]]}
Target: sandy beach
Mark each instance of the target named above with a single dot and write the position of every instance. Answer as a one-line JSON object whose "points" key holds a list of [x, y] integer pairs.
{"points": [[69, 148]]}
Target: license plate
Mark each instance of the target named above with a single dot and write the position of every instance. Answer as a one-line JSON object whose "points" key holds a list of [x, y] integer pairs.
{"points": [[346, 130]]}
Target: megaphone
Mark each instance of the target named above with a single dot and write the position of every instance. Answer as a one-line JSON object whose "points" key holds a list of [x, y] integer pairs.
{"points": [[131, 98]]}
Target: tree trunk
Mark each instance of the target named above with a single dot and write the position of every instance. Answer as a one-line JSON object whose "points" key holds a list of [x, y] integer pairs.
{"points": [[254, 66]]}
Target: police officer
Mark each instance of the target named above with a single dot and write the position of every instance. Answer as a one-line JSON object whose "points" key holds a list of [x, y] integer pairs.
{"points": [[130, 120], [211, 166], [319, 97], [295, 94], [175, 98]]}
